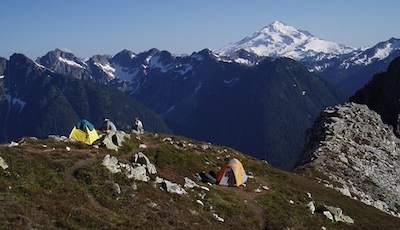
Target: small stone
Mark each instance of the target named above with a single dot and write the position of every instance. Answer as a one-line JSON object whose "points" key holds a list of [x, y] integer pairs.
{"points": [[218, 218]]}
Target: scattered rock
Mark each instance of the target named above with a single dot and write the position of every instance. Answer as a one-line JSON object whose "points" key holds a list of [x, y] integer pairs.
{"points": [[158, 180], [13, 144], [190, 183], [202, 195], [328, 215], [134, 186], [205, 147], [3, 163], [205, 188], [111, 163], [311, 206], [137, 172], [174, 188], [170, 187], [152, 204], [200, 202], [60, 138], [193, 212], [338, 215], [218, 218], [265, 187], [116, 189], [142, 159]]}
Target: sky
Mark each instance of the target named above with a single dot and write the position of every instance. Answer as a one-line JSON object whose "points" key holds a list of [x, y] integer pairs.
{"points": [[88, 27]]}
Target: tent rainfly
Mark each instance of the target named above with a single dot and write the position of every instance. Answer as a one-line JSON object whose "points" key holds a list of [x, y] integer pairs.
{"points": [[84, 131], [232, 174]]}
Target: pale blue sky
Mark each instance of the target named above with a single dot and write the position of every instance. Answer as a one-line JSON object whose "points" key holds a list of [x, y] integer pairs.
{"points": [[88, 27]]}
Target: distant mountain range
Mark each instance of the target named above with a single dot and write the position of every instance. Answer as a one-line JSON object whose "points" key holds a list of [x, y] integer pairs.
{"points": [[248, 95], [209, 97], [37, 101]]}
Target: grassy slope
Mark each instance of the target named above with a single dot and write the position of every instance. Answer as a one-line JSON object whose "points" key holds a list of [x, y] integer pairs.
{"points": [[48, 187]]}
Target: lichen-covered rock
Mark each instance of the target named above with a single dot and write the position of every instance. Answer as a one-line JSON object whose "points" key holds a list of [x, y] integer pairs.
{"points": [[356, 154]]}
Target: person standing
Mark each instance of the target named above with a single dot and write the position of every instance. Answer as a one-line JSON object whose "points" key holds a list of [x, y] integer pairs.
{"points": [[139, 126]]}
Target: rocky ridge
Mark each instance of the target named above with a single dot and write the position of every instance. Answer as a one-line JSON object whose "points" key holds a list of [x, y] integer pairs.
{"points": [[352, 151]]}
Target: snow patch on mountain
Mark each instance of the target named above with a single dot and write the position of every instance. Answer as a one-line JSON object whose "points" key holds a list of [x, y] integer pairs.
{"points": [[383, 53], [379, 54], [243, 61], [69, 62], [42, 66], [221, 58], [365, 57], [107, 68], [123, 73], [154, 62]]}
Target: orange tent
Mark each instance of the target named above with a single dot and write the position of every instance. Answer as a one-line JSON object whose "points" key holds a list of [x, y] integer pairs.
{"points": [[232, 174]]}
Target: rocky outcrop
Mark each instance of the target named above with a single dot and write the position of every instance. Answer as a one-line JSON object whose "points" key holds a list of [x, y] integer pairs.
{"points": [[350, 149]]}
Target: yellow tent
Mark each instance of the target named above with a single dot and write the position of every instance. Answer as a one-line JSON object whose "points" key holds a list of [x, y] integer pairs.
{"points": [[232, 174], [84, 131]]}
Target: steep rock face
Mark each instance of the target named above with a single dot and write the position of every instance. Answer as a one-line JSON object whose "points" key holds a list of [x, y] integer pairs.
{"points": [[382, 95], [351, 150]]}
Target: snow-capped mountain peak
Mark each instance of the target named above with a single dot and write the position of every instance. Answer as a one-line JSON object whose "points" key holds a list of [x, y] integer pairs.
{"points": [[280, 27], [279, 39]]}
